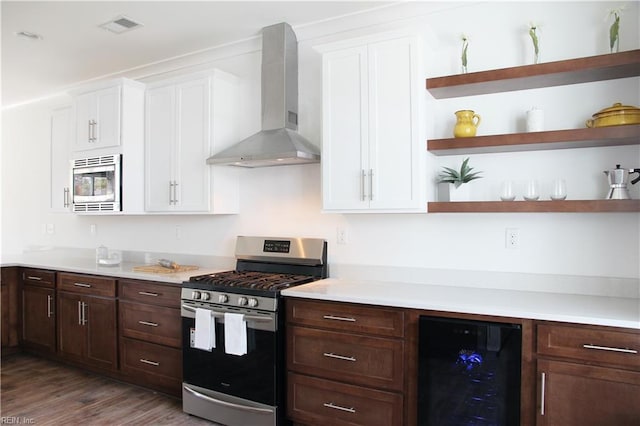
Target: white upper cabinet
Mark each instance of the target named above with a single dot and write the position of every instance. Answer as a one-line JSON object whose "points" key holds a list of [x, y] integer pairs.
{"points": [[180, 135], [371, 159], [61, 137], [100, 112]]}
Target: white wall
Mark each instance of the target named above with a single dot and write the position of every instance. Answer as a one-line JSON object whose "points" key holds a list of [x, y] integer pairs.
{"points": [[286, 200]]}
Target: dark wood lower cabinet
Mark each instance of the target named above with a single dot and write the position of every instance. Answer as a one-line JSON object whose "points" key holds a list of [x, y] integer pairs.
{"points": [[39, 320], [586, 395], [316, 401], [87, 330], [152, 365], [10, 307]]}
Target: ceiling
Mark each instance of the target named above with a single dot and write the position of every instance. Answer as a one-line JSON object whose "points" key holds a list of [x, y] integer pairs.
{"points": [[73, 47]]}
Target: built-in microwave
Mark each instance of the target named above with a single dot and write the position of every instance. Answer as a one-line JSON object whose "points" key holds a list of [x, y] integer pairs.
{"points": [[97, 184]]}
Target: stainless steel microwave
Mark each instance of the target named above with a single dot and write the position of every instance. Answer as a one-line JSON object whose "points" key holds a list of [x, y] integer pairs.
{"points": [[97, 184]]}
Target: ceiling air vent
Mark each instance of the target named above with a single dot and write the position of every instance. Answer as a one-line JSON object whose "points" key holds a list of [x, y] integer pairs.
{"points": [[120, 24]]}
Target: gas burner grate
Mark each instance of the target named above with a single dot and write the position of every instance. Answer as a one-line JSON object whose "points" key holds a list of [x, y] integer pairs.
{"points": [[252, 280]]}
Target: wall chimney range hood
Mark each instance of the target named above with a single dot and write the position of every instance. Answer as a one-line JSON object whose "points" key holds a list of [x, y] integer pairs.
{"points": [[278, 143]]}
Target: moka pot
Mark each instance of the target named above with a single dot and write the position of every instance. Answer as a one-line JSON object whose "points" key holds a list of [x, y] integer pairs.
{"points": [[618, 180]]}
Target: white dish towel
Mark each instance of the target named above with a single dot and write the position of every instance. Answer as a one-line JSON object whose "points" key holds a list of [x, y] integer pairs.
{"points": [[205, 335], [235, 334]]}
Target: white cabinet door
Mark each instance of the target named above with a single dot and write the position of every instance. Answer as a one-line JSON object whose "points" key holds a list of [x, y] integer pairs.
{"points": [[345, 129], [61, 136], [159, 141], [393, 138], [176, 146], [98, 119], [371, 158], [191, 173]]}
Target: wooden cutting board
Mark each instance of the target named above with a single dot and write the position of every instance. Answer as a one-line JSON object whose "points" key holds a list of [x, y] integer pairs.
{"points": [[157, 269]]}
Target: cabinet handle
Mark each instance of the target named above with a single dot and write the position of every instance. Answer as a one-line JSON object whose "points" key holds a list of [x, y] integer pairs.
{"points": [[146, 293], [170, 192], [49, 311], [82, 285], [84, 313], [370, 184], [175, 192], [95, 132], [335, 318], [150, 324], [542, 390], [363, 175], [79, 312], [89, 132], [610, 349], [339, 407], [146, 361], [31, 277], [342, 357]]}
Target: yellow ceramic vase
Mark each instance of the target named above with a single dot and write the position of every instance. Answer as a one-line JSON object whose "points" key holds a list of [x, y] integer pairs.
{"points": [[466, 124]]}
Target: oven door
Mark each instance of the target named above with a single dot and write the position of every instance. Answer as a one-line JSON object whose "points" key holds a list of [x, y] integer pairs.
{"points": [[252, 376]]}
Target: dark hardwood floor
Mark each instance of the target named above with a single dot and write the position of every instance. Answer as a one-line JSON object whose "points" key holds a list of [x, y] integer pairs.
{"points": [[41, 392]]}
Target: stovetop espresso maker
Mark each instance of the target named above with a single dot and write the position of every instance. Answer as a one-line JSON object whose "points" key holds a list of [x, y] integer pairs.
{"points": [[618, 180]]}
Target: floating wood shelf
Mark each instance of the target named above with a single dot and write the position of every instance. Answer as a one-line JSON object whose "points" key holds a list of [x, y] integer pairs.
{"points": [[572, 71], [547, 206], [535, 141]]}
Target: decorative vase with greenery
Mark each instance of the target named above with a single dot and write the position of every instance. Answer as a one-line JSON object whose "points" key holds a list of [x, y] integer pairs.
{"points": [[614, 29], [536, 43], [463, 55], [455, 179]]}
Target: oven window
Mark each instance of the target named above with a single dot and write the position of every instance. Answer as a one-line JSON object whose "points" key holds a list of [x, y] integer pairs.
{"points": [[251, 376]]}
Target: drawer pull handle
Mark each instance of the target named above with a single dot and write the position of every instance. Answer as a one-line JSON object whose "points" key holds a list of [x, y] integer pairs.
{"points": [[150, 324], [543, 385], [338, 407], [146, 293], [82, 285], [342, 357], [31, 277], [146, 361], [335, 318], [607, 348]]}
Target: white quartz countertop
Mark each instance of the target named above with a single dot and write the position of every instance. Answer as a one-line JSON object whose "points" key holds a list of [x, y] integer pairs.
{"points": [[576, 308], [66, 262]]}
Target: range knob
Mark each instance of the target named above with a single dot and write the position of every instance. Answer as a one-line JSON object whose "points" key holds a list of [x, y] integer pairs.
{"points": [[195, 295], [223, 298], [253, 302], [242, 301], [205, 296]]}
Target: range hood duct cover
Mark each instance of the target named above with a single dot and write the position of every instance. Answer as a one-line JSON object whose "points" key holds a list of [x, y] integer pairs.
{"points": [[278, 143]]}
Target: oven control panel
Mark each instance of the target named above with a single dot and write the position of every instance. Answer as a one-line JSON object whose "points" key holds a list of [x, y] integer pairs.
{"points": [[230, 299]]}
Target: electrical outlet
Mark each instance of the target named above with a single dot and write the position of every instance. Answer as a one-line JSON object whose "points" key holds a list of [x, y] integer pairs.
{"points": [[51, 229], [341, 235], [512, 238], [178, 232], [93, 229]]}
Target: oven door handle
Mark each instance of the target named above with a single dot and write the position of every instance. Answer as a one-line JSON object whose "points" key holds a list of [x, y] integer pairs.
{"points": [[228, 404], [221, 315]]}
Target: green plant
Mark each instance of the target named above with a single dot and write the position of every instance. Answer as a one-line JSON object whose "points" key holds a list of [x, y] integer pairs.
{"points": [[458, 177]]}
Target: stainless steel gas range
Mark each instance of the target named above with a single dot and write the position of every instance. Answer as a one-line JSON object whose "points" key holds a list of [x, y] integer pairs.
{"points": [[233, 331]]}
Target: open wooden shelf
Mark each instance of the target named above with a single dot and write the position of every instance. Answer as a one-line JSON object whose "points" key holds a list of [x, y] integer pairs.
{"points": [[546, 206], [558, 73], [535, 141]]}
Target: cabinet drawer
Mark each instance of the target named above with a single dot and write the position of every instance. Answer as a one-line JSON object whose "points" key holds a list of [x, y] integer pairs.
{"points": [[149, 292], [590, 344], [371, 361], [346, 317], [87, 284], [39, 277], [156, 324], [152, 365], [323, 402]]}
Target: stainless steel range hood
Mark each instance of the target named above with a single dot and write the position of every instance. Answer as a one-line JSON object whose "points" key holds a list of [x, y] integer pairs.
{"points": [[278, 143]]}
